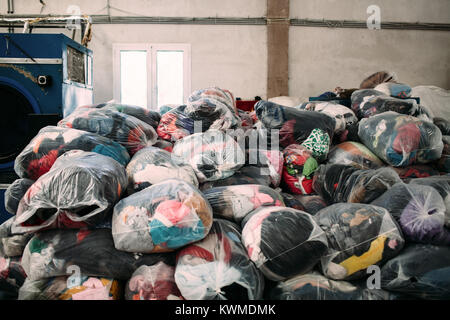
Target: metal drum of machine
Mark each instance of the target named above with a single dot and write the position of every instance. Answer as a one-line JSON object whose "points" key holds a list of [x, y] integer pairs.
{"points": [[43, 78]]}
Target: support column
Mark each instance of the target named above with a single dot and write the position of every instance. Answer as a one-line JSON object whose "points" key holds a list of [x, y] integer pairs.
{"points": [[277, 48]]}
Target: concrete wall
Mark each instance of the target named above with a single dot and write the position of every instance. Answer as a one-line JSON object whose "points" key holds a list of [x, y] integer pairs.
{"points": [[322, 58], [231, 57], [235, 57]]}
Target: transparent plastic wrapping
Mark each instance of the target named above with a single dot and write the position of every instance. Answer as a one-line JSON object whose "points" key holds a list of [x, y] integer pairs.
{"points": [[359, 236], [163, 144], [341, 183], [12, 245], [166, 108], [12, 274], [213, 155], [311, 128], [378, 78], [421, 271], [283, 242], [396, 90], [298, 170], [218, 268], [235, 202], [269, 161], [443, 164], [415, 171], [343, 115], [67, 288], [51, 142], [291, 201], [310, 203], [245, 175], [314, 286], [153, 165], [148, 116], [216, 105], [401, 140], [155, 282], [127, 130], [420, 212], [54, 253], [366, 105], [175, 125], [442, 185], [15, 192], [164, 217], [443, 125], [79, 190], [354, 154], [247, 120]]}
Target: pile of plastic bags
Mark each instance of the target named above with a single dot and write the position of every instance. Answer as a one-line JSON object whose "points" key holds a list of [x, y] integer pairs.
{"points": [[203, 201]]}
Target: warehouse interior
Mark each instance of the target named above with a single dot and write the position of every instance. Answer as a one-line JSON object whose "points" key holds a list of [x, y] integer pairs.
{"points": [[225, 150]]}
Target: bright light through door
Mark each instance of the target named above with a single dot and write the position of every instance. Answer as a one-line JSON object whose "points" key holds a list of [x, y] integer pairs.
{"points": [[133, 78], [169, 73]]}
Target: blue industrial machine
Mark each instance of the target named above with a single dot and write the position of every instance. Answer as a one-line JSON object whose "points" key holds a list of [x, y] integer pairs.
{"points": [[43, 77]]}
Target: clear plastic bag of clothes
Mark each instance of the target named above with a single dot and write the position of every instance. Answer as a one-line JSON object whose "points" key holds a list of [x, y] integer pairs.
{"points": [[343, 115], [164, 144], [79, 190], [12, 245], [213, 155], [58, 252], [311, 128], [354, 154], [374, 104], [155, 282], [396, 90], [415, 171], [359, 236], [166, 108], [298, 170], [283, 242], [148, 116], [245, 175], [218, 268], [164, 217], [127, 130], [310, 203], [443, 164], [71, 288], [247, 120], [443, 125], [216, 105], [270, 162], [401, 140], [420, 212], [175, 125], [235, 202], [12, 274], [378, 78], [421, 271], [442, 185], [12, 277], [341, 183], [153, 165], [15, 192], [314, 286], [51, 142]]}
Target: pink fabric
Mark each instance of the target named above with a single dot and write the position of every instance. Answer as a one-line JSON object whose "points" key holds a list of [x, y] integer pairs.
{"points": [[173, 210]]}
